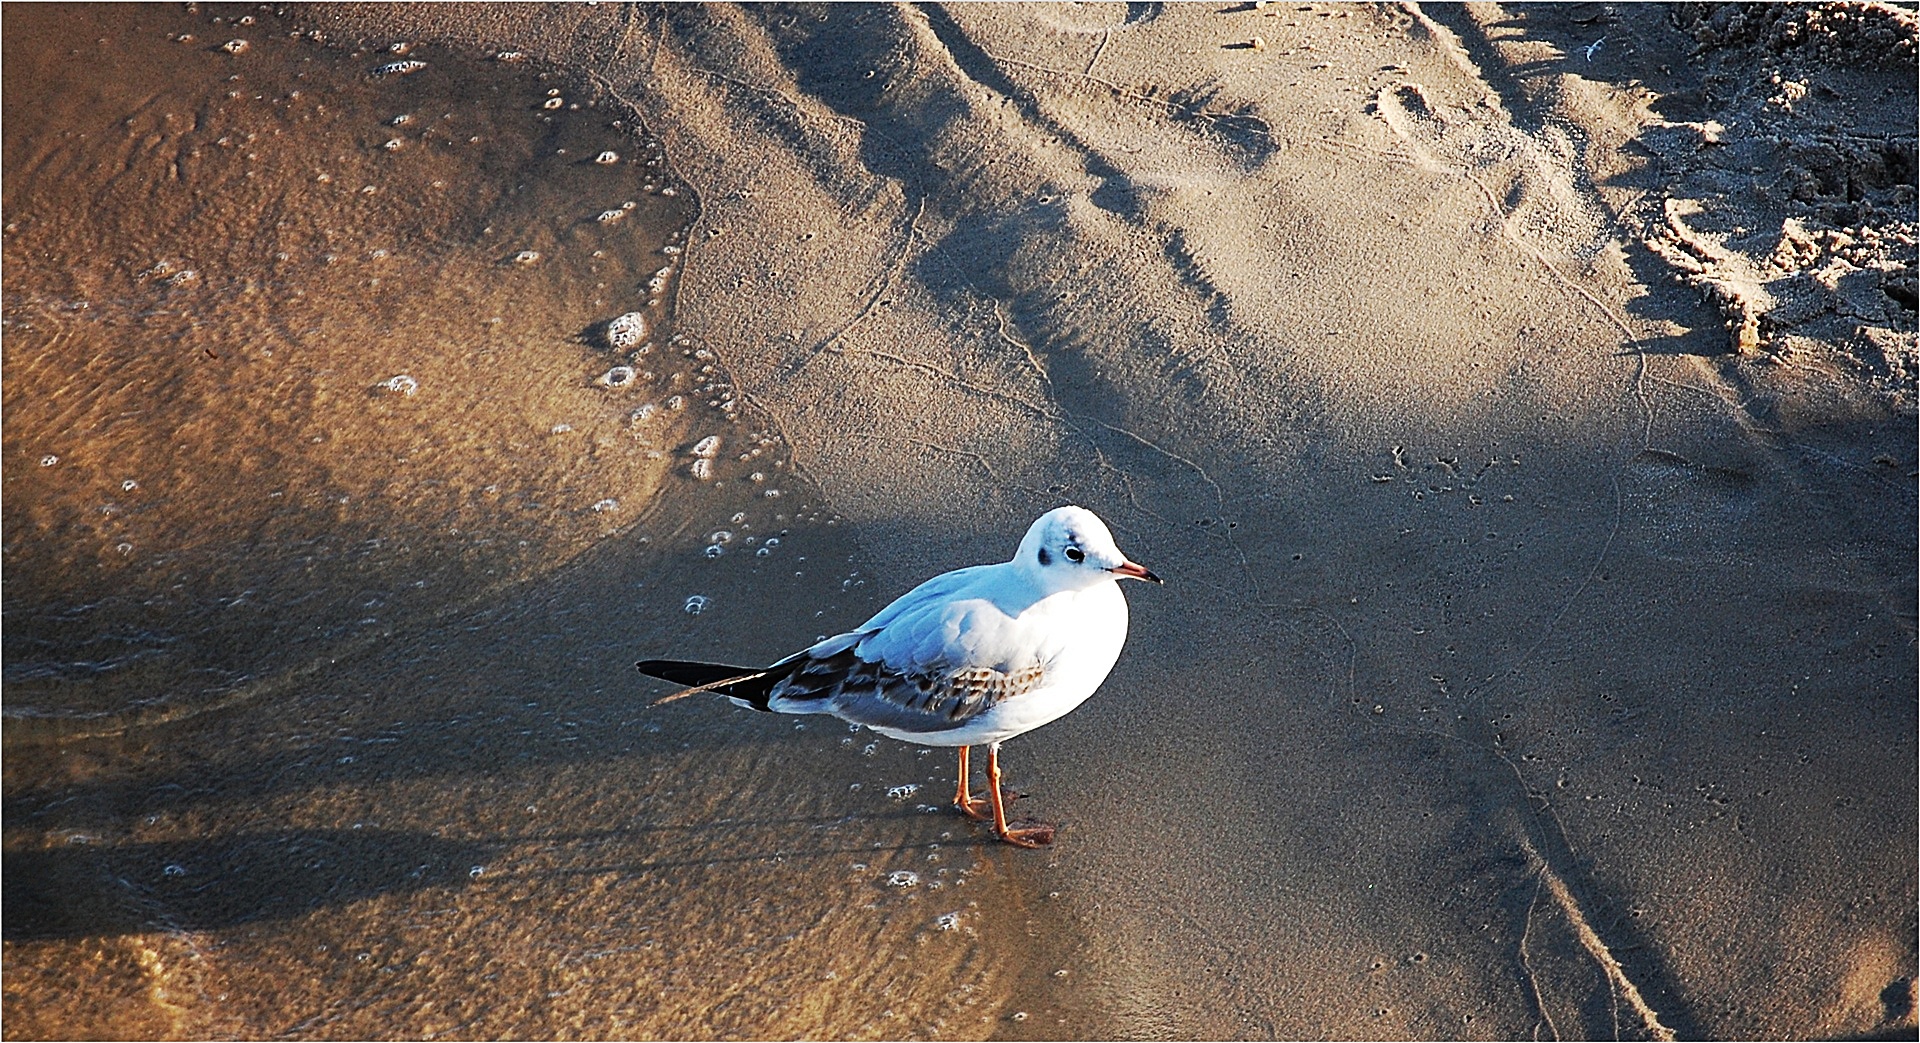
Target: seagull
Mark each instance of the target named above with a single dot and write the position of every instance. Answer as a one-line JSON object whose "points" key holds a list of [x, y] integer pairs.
{"points": [[971, 657]]}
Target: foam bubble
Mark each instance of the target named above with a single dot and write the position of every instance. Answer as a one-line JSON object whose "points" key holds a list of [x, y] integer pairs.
{"points": [[401, 384], [608, 504], [707, 448], [234, 46], [626, 330], [904, 791], [903, 878], [406, 68], [617, 377], [606, 158], [49, 460], [697, 604], [526, 257], [714, 550], [701, 469]]}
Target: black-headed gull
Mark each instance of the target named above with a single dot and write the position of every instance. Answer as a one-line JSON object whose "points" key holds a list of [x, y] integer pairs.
{"points": [[970, 657]]}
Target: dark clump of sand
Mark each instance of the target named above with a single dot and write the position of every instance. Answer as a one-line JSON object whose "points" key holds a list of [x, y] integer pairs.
{"points": [[1519, 401]]}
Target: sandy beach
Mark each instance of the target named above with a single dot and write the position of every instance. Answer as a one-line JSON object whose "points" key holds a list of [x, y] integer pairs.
{"points": [[1519, 401]]}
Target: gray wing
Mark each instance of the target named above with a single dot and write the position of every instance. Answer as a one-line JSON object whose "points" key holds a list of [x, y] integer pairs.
{"points": [[937, 657], [874, 694]]}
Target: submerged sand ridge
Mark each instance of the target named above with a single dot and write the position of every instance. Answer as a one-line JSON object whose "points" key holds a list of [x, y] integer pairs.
{"points": [[1536, 659]]}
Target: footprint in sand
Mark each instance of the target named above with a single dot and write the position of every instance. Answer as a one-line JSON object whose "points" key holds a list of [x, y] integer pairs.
{"points": [[1529, 178]]}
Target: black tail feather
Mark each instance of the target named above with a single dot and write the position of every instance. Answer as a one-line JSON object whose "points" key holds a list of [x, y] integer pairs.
{"points": [[754, 687]]}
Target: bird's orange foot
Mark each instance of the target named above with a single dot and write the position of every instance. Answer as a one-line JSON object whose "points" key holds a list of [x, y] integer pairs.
{"points": [[1029, 834], [982, 809]]}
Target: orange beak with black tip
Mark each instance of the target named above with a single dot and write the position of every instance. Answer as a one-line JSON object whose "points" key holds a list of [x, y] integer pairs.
{"points": [[1133, 571]]}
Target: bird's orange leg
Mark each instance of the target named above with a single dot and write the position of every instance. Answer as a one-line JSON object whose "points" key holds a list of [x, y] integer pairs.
{"points": [[1026, 836], [963, 797]]}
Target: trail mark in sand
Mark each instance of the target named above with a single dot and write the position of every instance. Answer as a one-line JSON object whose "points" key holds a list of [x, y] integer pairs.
{"points": [[1589, 940]]}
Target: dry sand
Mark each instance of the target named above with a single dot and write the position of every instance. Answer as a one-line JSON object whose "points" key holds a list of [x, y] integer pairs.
{"points": [[1519, 401]]}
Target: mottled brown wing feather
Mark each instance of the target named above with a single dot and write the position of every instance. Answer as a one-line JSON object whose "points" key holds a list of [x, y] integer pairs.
{"points": [[871, 694]]}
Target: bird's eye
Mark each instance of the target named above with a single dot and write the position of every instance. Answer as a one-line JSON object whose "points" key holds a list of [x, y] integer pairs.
{"points": [[1076, 554]]}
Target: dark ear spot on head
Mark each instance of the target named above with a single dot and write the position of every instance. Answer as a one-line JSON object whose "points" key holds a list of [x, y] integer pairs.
{"points": [[1045, 558]]}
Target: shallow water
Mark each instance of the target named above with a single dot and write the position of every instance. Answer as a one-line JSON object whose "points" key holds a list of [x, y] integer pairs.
{"points": [[330, 523], [298, 348]]}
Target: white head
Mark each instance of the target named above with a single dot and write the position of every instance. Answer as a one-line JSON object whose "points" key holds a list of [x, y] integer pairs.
{"points": [[1069, 548]]}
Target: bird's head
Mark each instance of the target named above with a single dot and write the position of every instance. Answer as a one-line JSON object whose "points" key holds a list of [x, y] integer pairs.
{"points": [[1069, 548]]}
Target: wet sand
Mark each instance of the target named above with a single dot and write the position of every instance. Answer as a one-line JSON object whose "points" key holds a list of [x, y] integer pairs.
{"points": [[1520, 402]]}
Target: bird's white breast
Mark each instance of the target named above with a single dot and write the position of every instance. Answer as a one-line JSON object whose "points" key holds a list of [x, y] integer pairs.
{"points": [[1078, 635]]}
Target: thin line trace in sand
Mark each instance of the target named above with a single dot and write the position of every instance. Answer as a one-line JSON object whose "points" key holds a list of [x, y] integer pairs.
{"points": [[1526, 963], [1616, 974]]}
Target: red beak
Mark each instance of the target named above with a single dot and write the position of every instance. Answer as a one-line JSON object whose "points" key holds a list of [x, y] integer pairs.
{"points": [[1128, 568]]}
